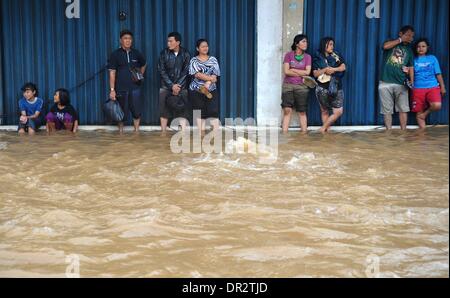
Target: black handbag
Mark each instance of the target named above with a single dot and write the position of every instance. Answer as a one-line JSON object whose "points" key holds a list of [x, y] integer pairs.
{"points": [[113, 111], [176, 103], [333, 88], [136, 75]]}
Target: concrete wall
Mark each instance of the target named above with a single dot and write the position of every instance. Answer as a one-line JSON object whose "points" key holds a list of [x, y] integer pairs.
{"points": [[278, 22], [292, 21], [269, 56]]}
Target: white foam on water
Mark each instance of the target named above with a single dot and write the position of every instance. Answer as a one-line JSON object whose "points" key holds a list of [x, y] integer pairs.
{"points": [[195, 274], [434, 269], [374, 173], [150, 215], [119, 256], [81, 189], [11, 223], [43, 230], [89, 241], [62, 218], [234, 187], [246, 146], [275, 253], [413, 254], [3, 145], [300, 160], [189, 174]]}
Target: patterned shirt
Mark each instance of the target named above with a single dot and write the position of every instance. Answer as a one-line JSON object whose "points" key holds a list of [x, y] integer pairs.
{"points": [[394, 61], [209, 67]]}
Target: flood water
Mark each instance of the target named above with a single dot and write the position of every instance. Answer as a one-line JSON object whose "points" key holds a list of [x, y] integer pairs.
{"points": [[126, 206]]}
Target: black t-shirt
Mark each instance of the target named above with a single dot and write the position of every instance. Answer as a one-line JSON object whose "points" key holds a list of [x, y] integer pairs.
{"points": [[121, 61], [67, 109]]}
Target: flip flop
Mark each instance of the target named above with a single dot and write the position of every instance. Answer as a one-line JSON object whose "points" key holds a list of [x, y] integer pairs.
{"points": [[309, 82]]}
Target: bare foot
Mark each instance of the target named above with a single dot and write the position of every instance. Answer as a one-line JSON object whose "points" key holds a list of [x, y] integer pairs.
{"points": [[323, 130], [69, 126]]}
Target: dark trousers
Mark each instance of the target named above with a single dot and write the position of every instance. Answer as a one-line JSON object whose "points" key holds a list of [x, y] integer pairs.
{"points": [[130, 101], [166, 112]]}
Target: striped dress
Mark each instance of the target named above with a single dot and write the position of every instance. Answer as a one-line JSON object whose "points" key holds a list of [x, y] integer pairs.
{"points": [[209, 67]]}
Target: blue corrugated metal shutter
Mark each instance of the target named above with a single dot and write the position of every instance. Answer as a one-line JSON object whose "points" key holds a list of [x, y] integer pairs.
{"points": [[360, 40], [53, 51], [2, 107]]}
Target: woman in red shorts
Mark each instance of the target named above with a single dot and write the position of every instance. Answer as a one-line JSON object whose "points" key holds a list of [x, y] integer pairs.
{"points": [[429, 86]]}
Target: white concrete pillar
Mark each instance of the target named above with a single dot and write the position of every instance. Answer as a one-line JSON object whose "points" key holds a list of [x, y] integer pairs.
{"points": [[269, 59]]}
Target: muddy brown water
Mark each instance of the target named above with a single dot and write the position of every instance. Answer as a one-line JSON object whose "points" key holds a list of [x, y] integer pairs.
{"points": [[126, 206]]}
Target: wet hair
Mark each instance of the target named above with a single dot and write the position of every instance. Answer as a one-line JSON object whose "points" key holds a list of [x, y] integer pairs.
{"points": [[126, 32], [324, 43], [175, 35], [407, 28], [30, 86], [198, 44], [64, 96], [425, 40], [298, 39]]}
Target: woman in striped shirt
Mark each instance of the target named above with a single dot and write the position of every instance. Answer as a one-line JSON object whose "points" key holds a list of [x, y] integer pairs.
{"points": [[203, 93]]}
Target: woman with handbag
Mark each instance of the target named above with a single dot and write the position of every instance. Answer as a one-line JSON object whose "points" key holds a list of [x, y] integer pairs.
{"points": [[126, 75], [329, 69], [203, 92]]}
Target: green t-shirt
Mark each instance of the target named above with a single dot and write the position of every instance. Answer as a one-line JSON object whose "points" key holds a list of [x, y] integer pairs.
{"points": [[394, 61]]}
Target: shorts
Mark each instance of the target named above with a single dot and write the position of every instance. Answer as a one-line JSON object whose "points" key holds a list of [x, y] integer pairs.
{"points": [[295, 96], [59, 123], [422, 98], [130, 101], [34, 124], [328, 102], [209, 108], [165, 111], [393, 95]]}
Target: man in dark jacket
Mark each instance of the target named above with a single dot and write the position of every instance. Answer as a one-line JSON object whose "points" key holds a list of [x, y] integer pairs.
{"points": [[173, 68]]}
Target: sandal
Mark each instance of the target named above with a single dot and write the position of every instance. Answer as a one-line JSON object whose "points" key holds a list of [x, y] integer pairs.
{"points": [[203, 90], [309, 82]]}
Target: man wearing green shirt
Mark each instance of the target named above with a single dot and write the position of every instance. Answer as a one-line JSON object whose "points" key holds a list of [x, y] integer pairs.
{"points": [[398, 73]]}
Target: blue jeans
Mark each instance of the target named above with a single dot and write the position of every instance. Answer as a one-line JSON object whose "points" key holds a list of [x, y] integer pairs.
{"points": [[34, 124]]}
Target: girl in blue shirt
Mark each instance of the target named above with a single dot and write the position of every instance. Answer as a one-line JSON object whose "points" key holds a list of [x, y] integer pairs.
{"points": [[429, 86]]}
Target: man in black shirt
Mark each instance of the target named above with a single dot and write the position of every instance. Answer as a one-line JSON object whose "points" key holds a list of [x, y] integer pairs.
{"points": [[173, 67], [126, 86]]}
